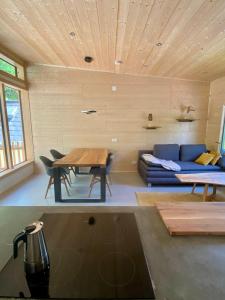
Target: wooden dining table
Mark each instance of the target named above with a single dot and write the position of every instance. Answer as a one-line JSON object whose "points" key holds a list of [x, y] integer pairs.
{"points": [[82, 157]]}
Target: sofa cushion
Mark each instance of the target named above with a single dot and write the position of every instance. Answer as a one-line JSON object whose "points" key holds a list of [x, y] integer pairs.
{"points": [[185, 166], [165, 174], [204, 159], [191, 152], [166, 151], [216, 157], [192, 166]]}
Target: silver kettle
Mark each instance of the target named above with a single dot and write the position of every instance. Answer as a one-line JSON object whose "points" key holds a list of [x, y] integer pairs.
{"points": [[36, 257]]}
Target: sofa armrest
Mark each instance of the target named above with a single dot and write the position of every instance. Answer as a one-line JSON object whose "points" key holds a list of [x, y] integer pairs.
{"points": [[140, 152], [221, 162]]}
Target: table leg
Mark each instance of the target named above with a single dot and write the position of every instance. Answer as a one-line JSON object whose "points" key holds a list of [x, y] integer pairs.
{"points": [[57, 185], [205, 194], [103, 184], [214, 190], [193, 188]]}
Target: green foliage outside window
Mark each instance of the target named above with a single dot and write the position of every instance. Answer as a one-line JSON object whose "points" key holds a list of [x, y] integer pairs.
{"points": [[7, 67], [11, 94]]}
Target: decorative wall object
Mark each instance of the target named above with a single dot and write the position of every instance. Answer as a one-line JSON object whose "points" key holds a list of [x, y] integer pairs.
{"points": [[150, 124], [186, 115]]}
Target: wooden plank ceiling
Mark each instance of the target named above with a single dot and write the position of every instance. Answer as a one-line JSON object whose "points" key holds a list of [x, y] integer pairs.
{"points": [[172, 38]]}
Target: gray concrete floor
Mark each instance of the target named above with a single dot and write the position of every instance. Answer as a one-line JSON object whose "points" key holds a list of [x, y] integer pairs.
{"points": [[124, 186]]}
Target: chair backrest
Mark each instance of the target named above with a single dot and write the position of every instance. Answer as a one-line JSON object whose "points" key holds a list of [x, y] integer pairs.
{"points": [[109, 163], [56, 154], [48, 165]]}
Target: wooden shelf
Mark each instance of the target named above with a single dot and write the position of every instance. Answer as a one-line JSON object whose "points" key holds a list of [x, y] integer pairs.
{"points": [[185, 120], [151, 127]]}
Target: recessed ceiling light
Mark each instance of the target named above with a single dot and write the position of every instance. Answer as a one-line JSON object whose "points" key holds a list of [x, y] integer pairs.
{"points": [[88, 59], [159, 44], [72, 34], [118, 62]]}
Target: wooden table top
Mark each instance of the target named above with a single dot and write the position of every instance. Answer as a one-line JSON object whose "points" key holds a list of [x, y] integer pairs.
{"points": [[207, 178], [84, 157], [191, 218]]}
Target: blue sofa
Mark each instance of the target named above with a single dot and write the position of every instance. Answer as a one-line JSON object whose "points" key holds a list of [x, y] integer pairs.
{"points": [[183, 155]]}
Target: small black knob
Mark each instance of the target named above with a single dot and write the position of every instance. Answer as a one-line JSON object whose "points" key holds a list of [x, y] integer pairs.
{"points": [[91, 221]]}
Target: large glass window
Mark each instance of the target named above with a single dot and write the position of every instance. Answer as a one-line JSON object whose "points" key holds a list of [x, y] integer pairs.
{"points": [[3, 164], [15, 124]]}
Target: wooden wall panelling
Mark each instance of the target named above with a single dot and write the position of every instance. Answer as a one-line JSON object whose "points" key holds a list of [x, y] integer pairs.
{"points": [[58, 95]]}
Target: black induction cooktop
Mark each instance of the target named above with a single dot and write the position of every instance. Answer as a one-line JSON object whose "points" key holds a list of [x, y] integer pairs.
{"points": [[92, 256]]}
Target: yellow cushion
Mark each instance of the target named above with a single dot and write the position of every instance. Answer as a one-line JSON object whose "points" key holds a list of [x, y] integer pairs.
{"points": [[217, 156], [204, 159]]}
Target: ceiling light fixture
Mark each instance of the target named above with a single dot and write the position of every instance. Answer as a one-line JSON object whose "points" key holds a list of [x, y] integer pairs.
{"points": [[72, 34], [88, 59], [118, 62], [159, 44]]}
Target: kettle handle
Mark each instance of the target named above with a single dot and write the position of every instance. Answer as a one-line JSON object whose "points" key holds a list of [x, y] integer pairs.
{"points": [[20, 237]]}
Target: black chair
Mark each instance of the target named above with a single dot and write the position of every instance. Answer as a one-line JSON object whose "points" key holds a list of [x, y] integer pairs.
{"points": [[96, 174], [50, 171], [57, 155]]}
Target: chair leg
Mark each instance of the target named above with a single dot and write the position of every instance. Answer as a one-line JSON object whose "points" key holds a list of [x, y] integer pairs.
{"points": [[109, 179], [107, 183], [67, 180], [93, 182], [72, 169], [49, 184], [64, 181], [91, 187]]}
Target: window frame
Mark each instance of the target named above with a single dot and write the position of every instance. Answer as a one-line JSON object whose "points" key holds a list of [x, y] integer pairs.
{"points": [[20, 80], [9, 152], [20, 84], [3, 133]]}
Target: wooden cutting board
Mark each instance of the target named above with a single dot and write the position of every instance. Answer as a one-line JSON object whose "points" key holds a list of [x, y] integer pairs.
{"points": [[190, 218]]}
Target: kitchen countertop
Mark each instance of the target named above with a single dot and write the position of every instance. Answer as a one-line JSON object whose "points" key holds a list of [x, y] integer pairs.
{"points": [[182, 268]]}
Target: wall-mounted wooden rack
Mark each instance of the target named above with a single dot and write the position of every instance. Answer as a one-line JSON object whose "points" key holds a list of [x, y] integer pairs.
{"points": [[151, 127], [185, 120]]}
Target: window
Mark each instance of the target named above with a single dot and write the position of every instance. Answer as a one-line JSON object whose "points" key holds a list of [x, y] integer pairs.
{"points": [[222, 148], [3, 163], [223, 141], [222, 132], [13, 84], [7, 67], [15, 125]]}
